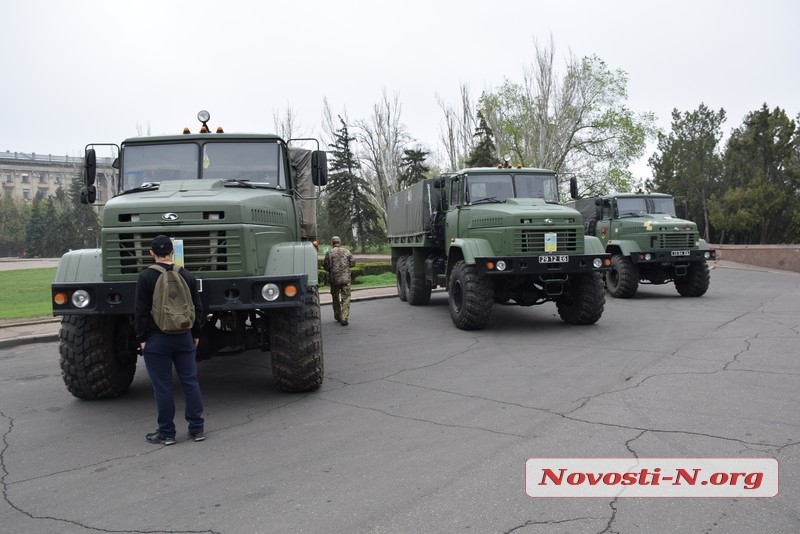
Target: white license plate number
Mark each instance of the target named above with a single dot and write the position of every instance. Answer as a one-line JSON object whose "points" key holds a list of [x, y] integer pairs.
{"points": [[554, 259], [680, 253]]}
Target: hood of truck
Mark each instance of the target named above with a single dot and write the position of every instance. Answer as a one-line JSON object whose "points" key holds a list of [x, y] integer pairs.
{"points": [[190, 203], [522, 226], [522, 211]]}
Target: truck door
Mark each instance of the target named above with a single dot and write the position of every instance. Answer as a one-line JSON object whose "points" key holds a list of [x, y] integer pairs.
{"points": [[454, 207]]}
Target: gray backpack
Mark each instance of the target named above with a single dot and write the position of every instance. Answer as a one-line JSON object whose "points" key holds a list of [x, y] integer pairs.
{"points": [[173, 309]]}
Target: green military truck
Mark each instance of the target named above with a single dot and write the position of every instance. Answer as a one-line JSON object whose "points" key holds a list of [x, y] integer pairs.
{"points": [[495, 235], [648, 243], [241, 210]]}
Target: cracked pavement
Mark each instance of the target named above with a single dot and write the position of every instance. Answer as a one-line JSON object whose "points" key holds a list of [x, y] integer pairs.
{"points": [[420, 427]]}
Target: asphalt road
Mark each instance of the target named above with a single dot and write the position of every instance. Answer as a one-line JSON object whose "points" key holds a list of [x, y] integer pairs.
{"points": [[420, 427]]}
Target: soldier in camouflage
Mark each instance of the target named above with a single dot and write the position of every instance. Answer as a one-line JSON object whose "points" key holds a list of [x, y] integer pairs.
{"points": [[338, 262]]}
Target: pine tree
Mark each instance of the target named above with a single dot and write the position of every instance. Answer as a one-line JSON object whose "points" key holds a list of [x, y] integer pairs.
{"points": [[483, 154], [413, 168], [350, 201]]}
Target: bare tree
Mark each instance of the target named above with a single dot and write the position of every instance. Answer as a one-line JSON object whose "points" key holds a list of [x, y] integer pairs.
{"points": [[457, 132], [383, 138], [286, 124]]}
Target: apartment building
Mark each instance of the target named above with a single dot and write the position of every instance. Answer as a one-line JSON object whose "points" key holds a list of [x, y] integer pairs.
{"points": [[27, 176]]}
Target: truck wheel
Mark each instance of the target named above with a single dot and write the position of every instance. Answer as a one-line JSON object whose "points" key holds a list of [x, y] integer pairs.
{"points": [[471, 297], [583, 300], [696, 281], [296, 346], [622, 280], [401, 278], [98, 355], [418, 290]]}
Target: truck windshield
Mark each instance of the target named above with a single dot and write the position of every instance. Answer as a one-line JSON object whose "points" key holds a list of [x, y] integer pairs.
{"points": [[257, 164], [499, 187], [633, 207], [663, 205]]}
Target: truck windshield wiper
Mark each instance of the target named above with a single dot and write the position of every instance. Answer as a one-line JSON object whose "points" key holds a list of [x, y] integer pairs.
{"points": [[147, 186], [487, 199], [243, 183]]}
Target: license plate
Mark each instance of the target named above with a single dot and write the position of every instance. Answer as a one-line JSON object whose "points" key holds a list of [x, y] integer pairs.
{"points": [[554, 259], [680, 253]]}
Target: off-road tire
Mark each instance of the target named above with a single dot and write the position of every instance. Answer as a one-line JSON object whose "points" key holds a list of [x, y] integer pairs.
{"points": [[296, 346], [98, 355], [622, 280], [402, 291], [696, 281], [418, 290], [583, 299], [471, 297]]}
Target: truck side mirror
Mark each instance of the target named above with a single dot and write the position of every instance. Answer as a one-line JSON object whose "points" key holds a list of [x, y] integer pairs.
{"points": [[685, 209], [319, 167], [88, 194], [91, 166], [438, 183], [573, 187]]}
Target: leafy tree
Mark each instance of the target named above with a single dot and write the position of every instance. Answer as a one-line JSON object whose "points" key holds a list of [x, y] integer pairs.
{"points": [[761, 201], [577, 123], [483, 153], [81, 218], [350, 201], [36, 231], [689, 164], [14, 215], [412, 167]]}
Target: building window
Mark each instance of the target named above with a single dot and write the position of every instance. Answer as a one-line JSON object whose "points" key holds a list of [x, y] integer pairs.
{"points": [[57, 179], [26, 194], [25, 178], [42, 178], [7, 178]]}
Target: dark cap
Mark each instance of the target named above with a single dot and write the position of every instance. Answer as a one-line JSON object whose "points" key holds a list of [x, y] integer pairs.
{"points": [[161, 245]]}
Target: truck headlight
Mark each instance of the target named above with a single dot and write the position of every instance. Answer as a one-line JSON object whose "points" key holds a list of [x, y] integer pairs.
{"points": [[597, 263], [80, 299], [501, 265], [648, 257], [270, 292], [706, 254]]}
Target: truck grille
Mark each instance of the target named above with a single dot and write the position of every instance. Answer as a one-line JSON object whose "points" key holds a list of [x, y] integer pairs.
{"points": [[203, 252], [532, 241], [673, 241]]}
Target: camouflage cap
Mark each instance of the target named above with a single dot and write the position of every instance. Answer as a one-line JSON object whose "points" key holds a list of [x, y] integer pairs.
{"points": [[336, 240]]}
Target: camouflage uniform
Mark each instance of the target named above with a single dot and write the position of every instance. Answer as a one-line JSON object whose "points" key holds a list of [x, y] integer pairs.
{"points": [[338, 262]]}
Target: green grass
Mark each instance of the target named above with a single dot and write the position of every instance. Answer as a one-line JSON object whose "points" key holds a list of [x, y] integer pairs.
{"points": [[374, 280], [25, 293]]}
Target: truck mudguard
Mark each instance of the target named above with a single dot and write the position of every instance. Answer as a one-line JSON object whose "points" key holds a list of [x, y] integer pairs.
{"points": [[472, 248], [293, 258], [84, 265], [626, 247], [592, 245]]}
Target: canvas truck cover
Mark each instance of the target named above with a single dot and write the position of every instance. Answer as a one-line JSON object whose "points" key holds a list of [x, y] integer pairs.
{"points": [[306, 203], [410, 210]]}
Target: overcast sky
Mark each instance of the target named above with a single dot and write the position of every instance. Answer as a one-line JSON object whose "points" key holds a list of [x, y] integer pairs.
{"points": [[82, 71]]}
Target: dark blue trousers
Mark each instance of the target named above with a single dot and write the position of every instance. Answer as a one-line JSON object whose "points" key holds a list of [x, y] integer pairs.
{"points": [[161, 353]]}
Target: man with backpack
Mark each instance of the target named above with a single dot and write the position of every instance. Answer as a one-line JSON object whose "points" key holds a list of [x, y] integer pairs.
{"points": [[169, 318]]}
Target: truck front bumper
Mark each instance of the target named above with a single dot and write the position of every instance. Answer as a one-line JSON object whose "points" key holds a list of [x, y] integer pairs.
{"points": [[217, 294], [543, 264], [674, 256]]}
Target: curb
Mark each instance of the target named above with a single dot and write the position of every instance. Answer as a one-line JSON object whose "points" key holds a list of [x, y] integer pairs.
{"points": [[53, 336]]}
